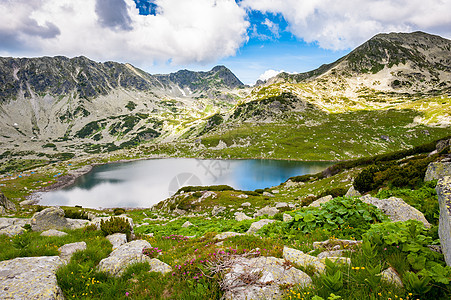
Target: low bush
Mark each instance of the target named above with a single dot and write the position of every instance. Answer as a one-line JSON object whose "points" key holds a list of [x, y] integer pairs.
{"points": [[116, 225], [73, 213]]}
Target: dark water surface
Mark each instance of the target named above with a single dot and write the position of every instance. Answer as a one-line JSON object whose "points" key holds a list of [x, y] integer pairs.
{"points": [[147, 182]]}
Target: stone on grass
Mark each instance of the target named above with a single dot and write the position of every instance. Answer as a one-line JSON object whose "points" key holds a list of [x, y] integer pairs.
{"points": [[66, 251], [12, 230], [30, 278], [267, 210], [225, 235], [6, 203], [352, 192], [304, 260], [437, 170], [287, 218], [53, 232], [332, 253], [77, 223], [157, 265], [217, 210], [29, 202], [124, 256], [239, 216], [281, 205], [320, 201], [256, 226], [267, 194], [117, 239], [391, 276], [49, 218], [2, 210], [187, 224], [246, 204], [261, 278], [396, 209], [443, 189]]}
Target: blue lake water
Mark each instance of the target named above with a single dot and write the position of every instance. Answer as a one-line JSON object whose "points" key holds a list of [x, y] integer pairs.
{"points": [[147, 182]]}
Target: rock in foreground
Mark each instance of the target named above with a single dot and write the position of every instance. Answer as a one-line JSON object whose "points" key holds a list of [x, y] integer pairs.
{"points": [[444, 228]]}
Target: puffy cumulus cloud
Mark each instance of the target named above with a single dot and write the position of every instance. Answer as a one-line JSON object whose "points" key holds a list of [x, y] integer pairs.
{"points": [[271, 73], [341, 25], [195, 31]]}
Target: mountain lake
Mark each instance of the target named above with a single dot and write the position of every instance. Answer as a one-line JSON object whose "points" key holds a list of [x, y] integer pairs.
{"points": [[146, 182]]}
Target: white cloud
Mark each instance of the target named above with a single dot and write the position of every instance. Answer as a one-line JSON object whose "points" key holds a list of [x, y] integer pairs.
{"points": [[269, 74], [341, 25], [273, 27], [196, 31]]}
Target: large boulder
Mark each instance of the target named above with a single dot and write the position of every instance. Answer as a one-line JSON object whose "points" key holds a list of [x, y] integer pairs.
{"points": [[157, 265], [12, 226], [304, 260], [267, 210], [261, 278], [12, 230], [66, 251], [317, 203], [240, 216], [444, 227], [49, 218], [6, 203], [256, 226], [352, 192], [117, 239], [437, 170], [124, 256], [30, 278], [396, 209]]}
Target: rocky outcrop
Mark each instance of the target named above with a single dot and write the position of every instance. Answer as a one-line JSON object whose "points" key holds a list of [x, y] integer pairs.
{"points": [[187, 224], [117, 239], [30, 278], [76, 223], [396, 209], [49, 218], [240, 216], [437, 170], [317, 203], [352, 192], [53, 232], [12, 230], [123, 257], [66, 251], [12, 226], [444, 228], [260, 278], [391, 276], [267, 210], [6, 203], [287, 218], [304, 260], [256, 226], [157, 265]]}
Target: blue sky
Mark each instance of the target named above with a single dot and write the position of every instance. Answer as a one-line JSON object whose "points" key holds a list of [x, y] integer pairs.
{"points": [[250, 37]]}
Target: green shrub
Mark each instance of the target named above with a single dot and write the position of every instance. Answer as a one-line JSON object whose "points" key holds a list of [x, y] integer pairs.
{"points": [[306, 201], [213, 188], [116, 225], [118, 211], [72, 213]]}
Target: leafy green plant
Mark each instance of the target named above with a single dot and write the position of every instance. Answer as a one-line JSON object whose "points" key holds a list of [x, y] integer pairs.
{"points": [[72, 213], [116, 225], [118, 211], [332, 279], [416, 284]]}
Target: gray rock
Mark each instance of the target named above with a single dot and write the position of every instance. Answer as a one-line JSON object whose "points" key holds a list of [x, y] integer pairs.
{"points": [[281, 205], [53, 232], [5, 222], [225, 235], [267, 210], [246, 204], [12, 230], [179, 212], [333, 253], [49, 218], [30, 278], [396, 209], [391, 276], [217, 210], [243, 196], [302, 259], [332, 244], [267, 194], [187, 224], [287, 218], [6, 203], [77, 223], [320, 201], [239, 216], [437, 170], [275, 191], [2, 210], [260, 278], [442, 145], [117, 239], [123, 257], [352, 192], [29, 202], [256, 226], [444, 227], [157, 265], [66, 251]]}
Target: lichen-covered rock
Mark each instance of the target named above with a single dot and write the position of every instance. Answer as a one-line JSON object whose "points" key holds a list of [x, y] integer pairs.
{"points": [[260, 278], [396, 209], [53, 232], [124, 256], [444, 227], [391, 276], [287, 218], [187, 224], [6, 203], [300, 258], [225, 235], [30, 278], [332, 253], [317, 203], [352, 192], [12, 230], [76, 223], [66, 251], [239, 216], [267, 210], [256, 226], [117, 239], [157, 265], [437, 170], [49, 218]]}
